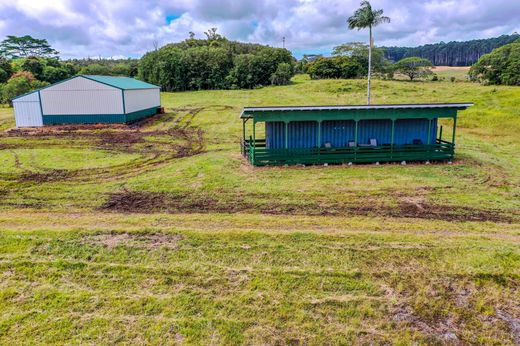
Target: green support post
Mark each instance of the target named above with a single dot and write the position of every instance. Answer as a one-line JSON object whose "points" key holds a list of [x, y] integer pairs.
{"points": [[254, 141], [453, 137], [454, 127], [440, 134], [244, 129]]}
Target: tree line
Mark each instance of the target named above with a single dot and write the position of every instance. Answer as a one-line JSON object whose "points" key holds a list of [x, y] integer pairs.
{"points": [[28, 63], [464, 53]]}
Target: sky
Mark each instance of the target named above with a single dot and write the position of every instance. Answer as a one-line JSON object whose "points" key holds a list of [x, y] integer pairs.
{"points": [[129, 28]]}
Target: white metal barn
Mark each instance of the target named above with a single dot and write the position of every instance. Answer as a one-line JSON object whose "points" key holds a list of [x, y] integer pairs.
{"points": [[87, 100]]}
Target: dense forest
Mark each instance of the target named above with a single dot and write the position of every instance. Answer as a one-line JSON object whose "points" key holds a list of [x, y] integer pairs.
{"points": [[452, 53]]}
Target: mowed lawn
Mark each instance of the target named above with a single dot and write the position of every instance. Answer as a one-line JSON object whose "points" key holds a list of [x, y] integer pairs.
{"points": [[161, 233]]}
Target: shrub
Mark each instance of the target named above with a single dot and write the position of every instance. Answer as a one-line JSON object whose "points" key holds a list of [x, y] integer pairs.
{"points": [[283, 74], [5, 70], [20, 84], [501, 66], [335, 67]]}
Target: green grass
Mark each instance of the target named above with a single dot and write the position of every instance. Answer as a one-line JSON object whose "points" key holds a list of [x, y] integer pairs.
{"points": [[110, 235]]}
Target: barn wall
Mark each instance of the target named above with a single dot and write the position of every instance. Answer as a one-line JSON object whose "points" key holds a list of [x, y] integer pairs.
{"points": [[140, 99], [80, 96], [27, 111]]}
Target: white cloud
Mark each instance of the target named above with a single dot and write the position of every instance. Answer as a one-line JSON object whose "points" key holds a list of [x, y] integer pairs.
{"points": [[129, 27]]}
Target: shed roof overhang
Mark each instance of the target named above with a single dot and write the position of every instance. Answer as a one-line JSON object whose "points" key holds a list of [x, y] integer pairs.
{"points": [[361, 112]]}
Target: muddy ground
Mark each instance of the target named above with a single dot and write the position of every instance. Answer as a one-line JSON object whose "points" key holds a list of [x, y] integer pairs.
{"points": [[148, 202]]}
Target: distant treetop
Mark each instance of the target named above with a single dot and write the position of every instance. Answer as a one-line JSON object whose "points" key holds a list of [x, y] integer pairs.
{"points": [[26, 46]]}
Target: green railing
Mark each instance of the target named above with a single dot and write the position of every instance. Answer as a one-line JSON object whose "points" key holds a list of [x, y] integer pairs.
{"points": [[257, 153]]}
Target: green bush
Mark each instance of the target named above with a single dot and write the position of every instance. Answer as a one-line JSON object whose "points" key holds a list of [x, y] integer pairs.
{"points": [[501, 66], [6, 70], [19, 85], [335, 67], [283, 74]]}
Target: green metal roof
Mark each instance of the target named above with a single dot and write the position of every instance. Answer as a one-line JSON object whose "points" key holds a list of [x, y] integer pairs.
{"points": [[124, 83], [353, 112]]}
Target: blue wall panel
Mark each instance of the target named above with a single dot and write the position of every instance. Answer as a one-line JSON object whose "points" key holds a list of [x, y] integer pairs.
{"points": [[377, 129], [304, 134], [338, 133], [408, 130], [275, 135]]}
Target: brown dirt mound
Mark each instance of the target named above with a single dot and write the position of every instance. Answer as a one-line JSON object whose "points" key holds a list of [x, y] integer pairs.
{"points": [[135, 240], [147, 202]]}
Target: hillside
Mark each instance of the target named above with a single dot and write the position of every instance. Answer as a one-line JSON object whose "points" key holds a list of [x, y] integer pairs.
{"points": [[454, 53], [159, 232]]}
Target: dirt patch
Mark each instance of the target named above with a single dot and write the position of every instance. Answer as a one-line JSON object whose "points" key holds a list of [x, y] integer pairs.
{"points": [[48, 176], [450, 68], [513, 323], [444, 331], [135, 240], [148, 202]]}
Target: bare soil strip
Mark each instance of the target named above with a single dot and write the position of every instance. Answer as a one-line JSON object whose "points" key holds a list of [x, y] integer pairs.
{"points": [[147, 202]]}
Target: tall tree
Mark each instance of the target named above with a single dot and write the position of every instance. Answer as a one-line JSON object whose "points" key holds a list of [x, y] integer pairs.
{"points": [[363, 18], [26, 46]]}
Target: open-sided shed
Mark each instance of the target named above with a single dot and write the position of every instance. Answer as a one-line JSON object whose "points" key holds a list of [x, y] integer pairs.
{"points": [[87, 99], [341, 134]]}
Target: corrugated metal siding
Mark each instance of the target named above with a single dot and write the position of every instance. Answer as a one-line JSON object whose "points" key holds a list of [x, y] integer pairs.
{"points": [[338, 133], [80, 83], [408, 130], [27, 111], [79, 96], [303, 134], [374, 129], [275, 135], [32, 97], [136, 100]]}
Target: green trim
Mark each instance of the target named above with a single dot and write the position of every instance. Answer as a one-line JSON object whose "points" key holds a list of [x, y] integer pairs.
{"points": [[57, 119], [260, 156], [356, 115], [40, 102], [133, 116], [123, 96]]}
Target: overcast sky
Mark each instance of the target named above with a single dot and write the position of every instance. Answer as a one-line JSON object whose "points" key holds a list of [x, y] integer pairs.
{"points": [[127, 28]]}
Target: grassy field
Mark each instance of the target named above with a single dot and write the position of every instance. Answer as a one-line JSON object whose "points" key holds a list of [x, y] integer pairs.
{"points": [[460, 73], [160, 233]]}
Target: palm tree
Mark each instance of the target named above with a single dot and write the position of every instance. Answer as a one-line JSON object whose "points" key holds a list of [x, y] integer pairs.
{"points": [[363, 18]]}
